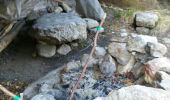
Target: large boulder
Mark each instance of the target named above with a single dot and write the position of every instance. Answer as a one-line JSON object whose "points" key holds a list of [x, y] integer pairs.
{"points": [[137, 92], [59, 28]]}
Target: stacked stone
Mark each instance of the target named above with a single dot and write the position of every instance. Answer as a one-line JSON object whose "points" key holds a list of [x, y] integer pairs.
{"points": [[145, 21]]}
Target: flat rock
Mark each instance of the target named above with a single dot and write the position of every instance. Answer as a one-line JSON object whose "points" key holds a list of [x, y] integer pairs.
{"points": [[146, 19], [157, 49], [120, 52], [138, 42], [64, 49], [107, 66], [137, 92], [60, 27], [45, 50]]}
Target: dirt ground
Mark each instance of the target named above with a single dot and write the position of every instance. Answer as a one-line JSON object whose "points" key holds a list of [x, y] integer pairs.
{"points": [[19, 66]]}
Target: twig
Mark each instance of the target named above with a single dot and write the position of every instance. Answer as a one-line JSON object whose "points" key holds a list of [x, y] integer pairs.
{"points": [[7, 39], [7, 91], [87, 62]]}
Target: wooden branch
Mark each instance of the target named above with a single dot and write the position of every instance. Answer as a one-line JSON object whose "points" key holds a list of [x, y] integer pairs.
{"points": [[8, 38], [6, 29], [87, 62], [7, 92]]}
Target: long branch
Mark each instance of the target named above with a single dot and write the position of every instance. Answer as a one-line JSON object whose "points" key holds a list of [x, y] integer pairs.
{"points": [[87, 62]]}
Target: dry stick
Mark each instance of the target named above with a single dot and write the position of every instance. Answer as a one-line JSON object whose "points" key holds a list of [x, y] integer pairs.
{"points": [[7, 91], [87, 62]]}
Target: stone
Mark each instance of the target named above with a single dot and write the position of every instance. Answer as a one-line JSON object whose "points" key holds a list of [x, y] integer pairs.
{"points": [[157, 49], [107, 66], [140, 81], [65, 7], [58, 28], [72, 66], [58, 94], [64, 49], [74, 44], [90, 9], [91, 23], [50, 79], [165, 85], [155, 65], [127, 68], [45, 88], [92, 61], [164, 80], [19, 9], [43, 97], [120, 52], [160, 75], [138, 70], [71, 3], [137, 92], [45, 50], [58, 10], [123, 33], [123, 30], [166, 40], [99, 52], [146, 19], [143, 30], [138, 43]]}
